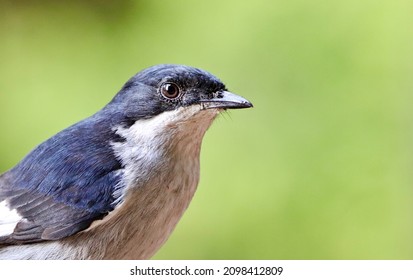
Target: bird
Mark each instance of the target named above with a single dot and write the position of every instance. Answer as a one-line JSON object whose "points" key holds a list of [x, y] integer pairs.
{"points": [[114, 185]]}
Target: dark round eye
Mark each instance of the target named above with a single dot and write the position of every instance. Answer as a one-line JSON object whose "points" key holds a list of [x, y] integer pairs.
{"points": [[170, 90]]}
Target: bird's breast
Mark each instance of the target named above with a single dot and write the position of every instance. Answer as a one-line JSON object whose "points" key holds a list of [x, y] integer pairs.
{"points": [[149, 212]]}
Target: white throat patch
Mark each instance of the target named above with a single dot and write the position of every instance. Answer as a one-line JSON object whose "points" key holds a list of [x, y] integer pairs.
{"points": [[150, 142]]}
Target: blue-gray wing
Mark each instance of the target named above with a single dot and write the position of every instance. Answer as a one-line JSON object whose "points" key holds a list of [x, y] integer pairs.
{"points": [[63, 185]]}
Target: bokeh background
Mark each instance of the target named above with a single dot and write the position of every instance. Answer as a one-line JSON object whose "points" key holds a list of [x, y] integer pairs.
{"points": [[320, 168]]}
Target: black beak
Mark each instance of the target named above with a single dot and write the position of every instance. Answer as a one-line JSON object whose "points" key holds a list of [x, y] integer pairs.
{"points": [[226, 100]]}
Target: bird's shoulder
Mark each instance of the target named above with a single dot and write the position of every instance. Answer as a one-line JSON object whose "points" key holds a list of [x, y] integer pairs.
{"points": [[64, 184]]}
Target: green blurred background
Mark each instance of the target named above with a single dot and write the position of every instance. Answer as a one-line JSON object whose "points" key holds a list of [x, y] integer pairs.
{"points": [[320, 168]]}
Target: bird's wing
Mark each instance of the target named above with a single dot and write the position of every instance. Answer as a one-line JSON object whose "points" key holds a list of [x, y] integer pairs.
{"points": [[60, 188], [39, 217]]}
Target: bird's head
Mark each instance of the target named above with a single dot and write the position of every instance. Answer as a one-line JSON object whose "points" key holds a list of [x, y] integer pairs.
{"points": [[165, 88]]}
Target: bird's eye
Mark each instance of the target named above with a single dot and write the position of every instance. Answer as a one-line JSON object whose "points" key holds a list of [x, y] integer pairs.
{"points": [[170, 90]]}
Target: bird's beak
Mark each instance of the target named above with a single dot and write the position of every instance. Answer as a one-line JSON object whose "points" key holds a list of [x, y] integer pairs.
{"points": [[226, 100]]}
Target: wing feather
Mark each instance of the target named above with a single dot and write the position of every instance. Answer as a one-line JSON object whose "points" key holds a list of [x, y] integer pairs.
{"points": [[63, 185]]}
